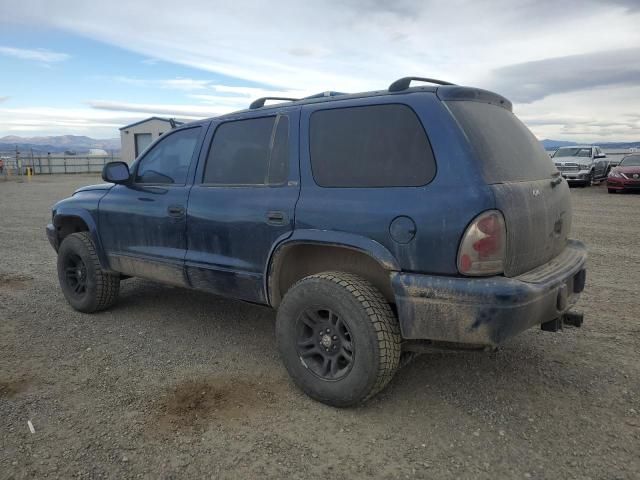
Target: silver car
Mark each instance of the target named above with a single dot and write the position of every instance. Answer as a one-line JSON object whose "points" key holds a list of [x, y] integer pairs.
{"points": [[581, 164]]}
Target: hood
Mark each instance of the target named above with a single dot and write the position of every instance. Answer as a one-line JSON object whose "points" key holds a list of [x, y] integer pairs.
{"points": [[99, 186], [628, 170]]}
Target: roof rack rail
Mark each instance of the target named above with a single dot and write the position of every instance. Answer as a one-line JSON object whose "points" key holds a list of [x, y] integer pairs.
{"points": [[404, 83], [325, 94], [260, 102]]}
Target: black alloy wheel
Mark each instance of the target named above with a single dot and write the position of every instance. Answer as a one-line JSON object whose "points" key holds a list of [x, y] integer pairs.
{"points": [[75, 275], [324, 343]]}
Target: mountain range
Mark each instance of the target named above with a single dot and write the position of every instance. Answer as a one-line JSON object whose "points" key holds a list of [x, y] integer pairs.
{"points": [[60, 143], [554, 144]]}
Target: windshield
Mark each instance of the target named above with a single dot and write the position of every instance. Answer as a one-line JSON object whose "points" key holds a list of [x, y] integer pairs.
{"points": [[630, 161], [572, 152]]}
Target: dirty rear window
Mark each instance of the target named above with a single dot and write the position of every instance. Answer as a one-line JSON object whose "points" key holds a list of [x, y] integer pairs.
{"points": [[507, 150]]}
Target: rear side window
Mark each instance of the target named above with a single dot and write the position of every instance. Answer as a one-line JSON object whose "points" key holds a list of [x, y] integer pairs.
{"points": [[507, 150], [371, 146], [249, 152]]}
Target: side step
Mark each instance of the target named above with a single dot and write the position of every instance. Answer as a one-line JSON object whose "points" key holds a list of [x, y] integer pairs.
{"points": [[572, 319]]}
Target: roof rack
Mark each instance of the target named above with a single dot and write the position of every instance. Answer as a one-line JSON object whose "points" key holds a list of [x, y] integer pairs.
{"points": [[404, 83], [324, 94], [260, 102]]}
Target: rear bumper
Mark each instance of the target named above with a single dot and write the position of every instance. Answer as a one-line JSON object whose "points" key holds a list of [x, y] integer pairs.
{"points": [[488, 311], [52, 235]]}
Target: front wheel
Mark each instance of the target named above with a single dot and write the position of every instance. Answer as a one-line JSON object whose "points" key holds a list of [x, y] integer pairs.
{"points": [[84, 284], [338, 338]]}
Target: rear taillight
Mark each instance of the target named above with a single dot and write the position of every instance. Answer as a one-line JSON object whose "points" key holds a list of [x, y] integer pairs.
{"points": [[483, 246]]}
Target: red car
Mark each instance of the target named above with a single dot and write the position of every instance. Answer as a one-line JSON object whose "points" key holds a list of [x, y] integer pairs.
{"points": [[626, 176]]}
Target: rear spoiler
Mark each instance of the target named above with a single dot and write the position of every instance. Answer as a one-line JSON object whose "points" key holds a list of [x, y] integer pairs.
{"points": [[454, 92]]}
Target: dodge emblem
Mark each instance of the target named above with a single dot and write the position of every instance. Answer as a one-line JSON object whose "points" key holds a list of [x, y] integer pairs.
{"points": [[535, 192]]}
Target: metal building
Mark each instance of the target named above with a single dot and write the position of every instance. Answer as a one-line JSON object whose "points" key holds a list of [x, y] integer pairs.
{"points": [[137, 136]]}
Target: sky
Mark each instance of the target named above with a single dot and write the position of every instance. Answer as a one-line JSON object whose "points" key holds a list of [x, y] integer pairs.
{"points": [[570, 67]]}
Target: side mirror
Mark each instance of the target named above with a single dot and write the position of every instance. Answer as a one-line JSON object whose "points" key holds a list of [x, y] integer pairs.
{"points": [[116, 172]]}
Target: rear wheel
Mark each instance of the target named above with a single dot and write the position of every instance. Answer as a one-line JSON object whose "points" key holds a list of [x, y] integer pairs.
{"points": [[84, 284], [338, 338]]}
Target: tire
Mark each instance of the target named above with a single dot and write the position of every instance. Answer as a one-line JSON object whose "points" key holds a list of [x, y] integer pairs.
{"points": [[590, 180], [364, 333], [85, 285], [611, 190]]}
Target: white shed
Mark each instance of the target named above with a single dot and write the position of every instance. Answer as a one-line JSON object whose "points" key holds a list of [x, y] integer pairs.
{"points": [[137, 136]]}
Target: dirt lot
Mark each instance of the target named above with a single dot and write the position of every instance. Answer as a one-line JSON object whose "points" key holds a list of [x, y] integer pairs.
{"points": [[173, 383]]}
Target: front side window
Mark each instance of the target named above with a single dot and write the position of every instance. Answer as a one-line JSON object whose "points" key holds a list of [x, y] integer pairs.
{"points": [[370, 146], [168, 161], [249, 152]]}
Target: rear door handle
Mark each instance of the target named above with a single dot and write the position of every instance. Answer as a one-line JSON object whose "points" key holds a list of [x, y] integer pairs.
{"points": [[276, 218], [175, 210]]}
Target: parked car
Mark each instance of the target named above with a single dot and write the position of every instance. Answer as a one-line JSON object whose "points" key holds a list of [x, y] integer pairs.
{"points": [[378, 224], [626, 176], [581, 165]]}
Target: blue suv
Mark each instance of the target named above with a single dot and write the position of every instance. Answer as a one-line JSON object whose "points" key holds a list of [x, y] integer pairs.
{"points": [[378, 224]]}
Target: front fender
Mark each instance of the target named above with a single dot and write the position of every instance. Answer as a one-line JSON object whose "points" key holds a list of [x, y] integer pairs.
{"points": [[62, 213], [329, 238]]}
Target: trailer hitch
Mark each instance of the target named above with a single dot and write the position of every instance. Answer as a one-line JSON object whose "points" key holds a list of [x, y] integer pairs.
{"points": [[572, 319]]}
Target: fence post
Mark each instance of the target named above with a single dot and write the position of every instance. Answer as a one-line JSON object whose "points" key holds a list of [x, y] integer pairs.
{"points": [[18, 166], [49, 162], [88, 169], [65, 165]]}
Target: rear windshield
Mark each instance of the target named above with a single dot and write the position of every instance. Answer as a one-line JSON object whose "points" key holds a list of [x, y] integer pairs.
{"points": [[508, 151]]}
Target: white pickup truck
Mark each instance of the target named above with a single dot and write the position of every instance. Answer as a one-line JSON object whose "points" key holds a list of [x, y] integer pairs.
{"points": [[581, 164]]}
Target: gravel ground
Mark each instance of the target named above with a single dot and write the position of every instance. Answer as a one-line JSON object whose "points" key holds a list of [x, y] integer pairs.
{"points": [[172, 383]]}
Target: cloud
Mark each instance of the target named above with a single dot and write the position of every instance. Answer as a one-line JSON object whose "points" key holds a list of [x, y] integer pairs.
{"points": [[178, 83], [57, 121], [531, 81], [585, 115], [39, 55], [3, 99], [186, 111], [517, 48]]}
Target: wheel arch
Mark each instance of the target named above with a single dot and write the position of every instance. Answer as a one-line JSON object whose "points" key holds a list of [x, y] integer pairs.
{"points": [[68, 221], [311, 252]]}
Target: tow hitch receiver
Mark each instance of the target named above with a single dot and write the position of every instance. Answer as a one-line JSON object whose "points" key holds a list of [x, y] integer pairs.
{"points": [[572, 319]]}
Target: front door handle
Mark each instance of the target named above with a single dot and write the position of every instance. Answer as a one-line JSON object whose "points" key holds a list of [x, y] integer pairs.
{"points": [[276, 218], [175, 210]]}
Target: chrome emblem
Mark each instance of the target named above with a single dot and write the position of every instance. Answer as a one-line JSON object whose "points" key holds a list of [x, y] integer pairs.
{"points": [[535, 192], [635, 175]]}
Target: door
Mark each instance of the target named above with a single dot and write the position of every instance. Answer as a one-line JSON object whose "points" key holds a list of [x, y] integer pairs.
{"points": [[142, 225], [142, 141], [242, 203], [600, 163]]}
